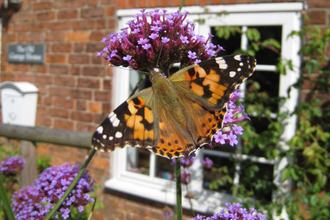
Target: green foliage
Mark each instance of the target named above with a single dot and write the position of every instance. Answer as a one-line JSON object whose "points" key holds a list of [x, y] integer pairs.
{"points": [[309, 149]]}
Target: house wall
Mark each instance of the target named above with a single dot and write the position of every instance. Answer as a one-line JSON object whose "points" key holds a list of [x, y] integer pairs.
{"points": [[75, 85]]}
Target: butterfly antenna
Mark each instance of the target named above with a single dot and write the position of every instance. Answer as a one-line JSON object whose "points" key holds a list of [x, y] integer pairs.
{"points": [[160, 52]]}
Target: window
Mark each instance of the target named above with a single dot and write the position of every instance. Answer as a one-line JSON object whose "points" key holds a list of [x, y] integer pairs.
{"points": [[149, 175]]}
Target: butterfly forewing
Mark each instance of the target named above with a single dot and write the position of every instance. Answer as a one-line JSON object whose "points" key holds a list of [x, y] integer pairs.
{"points": [[132, 123], [212, 82]]}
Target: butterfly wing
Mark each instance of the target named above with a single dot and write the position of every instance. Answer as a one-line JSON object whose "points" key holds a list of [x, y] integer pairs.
{"points": [[212, 82], [132, 123]]}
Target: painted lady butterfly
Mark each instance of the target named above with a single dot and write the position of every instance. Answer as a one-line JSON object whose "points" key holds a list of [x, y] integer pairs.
{"points": [[179, 114]]}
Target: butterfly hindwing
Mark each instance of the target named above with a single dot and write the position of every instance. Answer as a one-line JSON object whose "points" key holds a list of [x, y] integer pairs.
{"points": [[132, 123]]}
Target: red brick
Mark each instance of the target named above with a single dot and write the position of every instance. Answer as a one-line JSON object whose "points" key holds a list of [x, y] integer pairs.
{"points": [[92, 13], [111, 23], [55, 58], [163, 3], [91, 83], [83, 25], [60, 26], [82, 116], [94, 107], [317, 17], [7, 77], [39, 27], [63, 124], [63, 102], [44, 79], [80, 36], [97, 36], [67, 14], [59, 113], [21, 67], [79, 47], [111, 11], [102, 96], [68, 4], [95, 47], [189, 2], [122, 4], [25, 27], [93, 71], [100, 24], [43, 121], [8, 37], [47, 101], [75, 70], [230, 1], [216, 2], [106, 108], [62, 47], [42, 110], [86, 127], [59, 69], [154, 3], [27, 77], [62, 92], [203, 2], [65, 81], [81, 105], [81, 94], [55, 36], [107, 84], [31, 37], [318, 4], [46, 16], [79, 59], [42, 6]]}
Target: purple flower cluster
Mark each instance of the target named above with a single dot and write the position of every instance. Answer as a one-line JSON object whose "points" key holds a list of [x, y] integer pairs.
{"points": [[208, 163], [160, 41], [230, 130], [34, 202], [12, 165], [235, 212]]}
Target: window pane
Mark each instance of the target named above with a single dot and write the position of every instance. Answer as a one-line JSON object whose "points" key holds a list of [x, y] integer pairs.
{"points": [[138, 160], [220, 176], [230, 45], [267, 56], [263, 89], [164, 169], [257, 177]]}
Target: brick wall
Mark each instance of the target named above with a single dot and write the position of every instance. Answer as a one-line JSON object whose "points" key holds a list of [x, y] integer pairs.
{"points": [[75, 85]]}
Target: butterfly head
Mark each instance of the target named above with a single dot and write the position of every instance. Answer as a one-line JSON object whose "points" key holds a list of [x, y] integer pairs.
{"points": [[156, 74]]}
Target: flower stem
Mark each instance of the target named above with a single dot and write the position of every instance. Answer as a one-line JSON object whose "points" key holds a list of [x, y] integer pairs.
{"points": [[178, 189], [73, 184], [5, 201]]}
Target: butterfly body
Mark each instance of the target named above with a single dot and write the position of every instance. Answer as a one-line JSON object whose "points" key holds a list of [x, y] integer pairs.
{"points": [[179, 114]]}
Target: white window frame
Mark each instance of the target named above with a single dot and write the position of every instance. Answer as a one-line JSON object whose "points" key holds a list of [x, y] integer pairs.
{"points": [[288, 15]]}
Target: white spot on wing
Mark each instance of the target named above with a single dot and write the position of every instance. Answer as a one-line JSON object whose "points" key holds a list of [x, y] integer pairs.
{"points": [[239, 69], [237, 57], [222, 63], [104, 136], [241, 63], [118, 134], [100, 129], [110, 138], [232, 74], [115, 122]]}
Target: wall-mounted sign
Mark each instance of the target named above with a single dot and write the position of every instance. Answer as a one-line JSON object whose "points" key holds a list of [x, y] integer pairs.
{"points": [[26, 53]]}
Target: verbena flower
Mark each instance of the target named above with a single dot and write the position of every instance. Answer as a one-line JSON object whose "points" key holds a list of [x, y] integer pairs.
{"points": [[156, 39], [235, 212], [34, 202], [228, 134], [12, 165], [208, 163], [167, 213]]}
